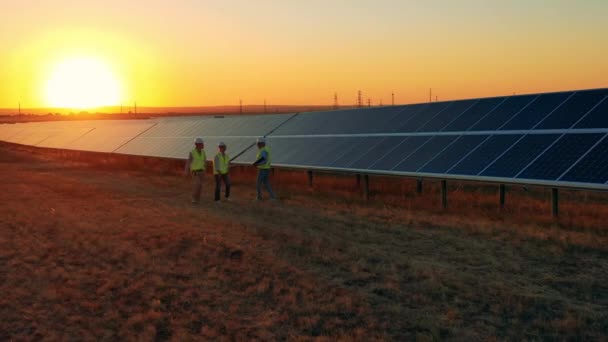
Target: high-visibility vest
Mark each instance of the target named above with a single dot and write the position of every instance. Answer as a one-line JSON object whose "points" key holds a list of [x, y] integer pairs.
{"points": [[266, 165], [220, 162], [198, 160]]}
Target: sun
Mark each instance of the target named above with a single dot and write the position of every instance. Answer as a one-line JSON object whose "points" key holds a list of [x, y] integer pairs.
{"points": [[82, 83]]}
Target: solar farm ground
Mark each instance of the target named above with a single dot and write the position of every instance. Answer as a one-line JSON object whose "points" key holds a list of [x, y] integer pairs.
{"points": [[92, 252]]}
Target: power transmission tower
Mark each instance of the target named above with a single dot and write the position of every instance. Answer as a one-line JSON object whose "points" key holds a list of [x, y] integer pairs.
{"points": [[369, 102], [359, 100], [335, 101], [430, 94], [393, 98], [240, 106], [265, 108], [380, 103], [19, 108]]}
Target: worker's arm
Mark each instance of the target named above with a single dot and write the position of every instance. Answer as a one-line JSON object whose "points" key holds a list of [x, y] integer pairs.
{"points": [[262, 159], [187, 169]]}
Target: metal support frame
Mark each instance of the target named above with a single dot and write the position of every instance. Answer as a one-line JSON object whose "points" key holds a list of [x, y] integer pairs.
{"points": [[444, 194], [358, 181], [555, 202], [366, 186], [419, 186], [501, 195]]}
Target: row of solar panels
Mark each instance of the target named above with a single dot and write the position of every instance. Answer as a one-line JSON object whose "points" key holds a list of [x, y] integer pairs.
{"points": [[551, 139]]}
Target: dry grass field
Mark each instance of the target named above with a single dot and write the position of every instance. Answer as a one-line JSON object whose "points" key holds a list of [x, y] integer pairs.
{"points": [[92, 251]]}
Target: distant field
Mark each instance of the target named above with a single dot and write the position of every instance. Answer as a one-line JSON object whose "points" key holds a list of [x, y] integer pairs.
{"points": [[88, 251]]}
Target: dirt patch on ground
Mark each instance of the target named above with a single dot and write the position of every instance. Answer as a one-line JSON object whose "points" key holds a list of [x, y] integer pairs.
{"points": [[87, 253]]}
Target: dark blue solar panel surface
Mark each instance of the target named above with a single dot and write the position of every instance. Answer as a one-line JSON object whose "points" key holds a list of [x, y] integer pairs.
{"points": [[536, 111], [329, 150], [557, 159], [368, 158], [593, 168], [288, 151], [372, 120], [503, 113], [520, 155], [483, 155], [474, 114], [451, 155], [424, 154], [426, 113], [358, 145], [573, 110], [454, 111], [393, 156], [597, 118]]}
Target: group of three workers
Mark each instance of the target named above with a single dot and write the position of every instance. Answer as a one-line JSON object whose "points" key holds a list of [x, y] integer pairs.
{"points": [[196, 165]]}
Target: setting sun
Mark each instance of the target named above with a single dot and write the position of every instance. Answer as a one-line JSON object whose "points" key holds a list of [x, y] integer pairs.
{"points": [[82, 82]]}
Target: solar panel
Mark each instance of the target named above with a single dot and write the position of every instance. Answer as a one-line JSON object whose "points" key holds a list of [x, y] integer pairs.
{"points": [[597, 116], [554, 138], [453, 153], [592, 168], [563, 153], [399, 152], [542, 106], [425, 153], [474, 114], [444, 117], [572, 111], [484, 154], [503, 113], [519, 155], [175, 138], [107, 136]]}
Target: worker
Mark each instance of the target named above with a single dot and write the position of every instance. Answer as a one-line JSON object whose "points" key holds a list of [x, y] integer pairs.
{"points": [[263, 163], [195, 166], [221, 166]]}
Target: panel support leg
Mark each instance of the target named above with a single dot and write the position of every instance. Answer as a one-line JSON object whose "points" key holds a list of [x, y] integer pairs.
{"points": [[419, 186], [555, 203], [501, 196], [444, 194], [358, 181], [366, 186], [309, 172]]}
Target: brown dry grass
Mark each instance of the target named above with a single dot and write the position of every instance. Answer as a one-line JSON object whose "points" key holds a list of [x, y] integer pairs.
{"points": [[91, 250]]}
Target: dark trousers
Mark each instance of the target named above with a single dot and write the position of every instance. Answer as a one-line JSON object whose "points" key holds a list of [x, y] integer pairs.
{"points": [[263, 180], [218, 185]]}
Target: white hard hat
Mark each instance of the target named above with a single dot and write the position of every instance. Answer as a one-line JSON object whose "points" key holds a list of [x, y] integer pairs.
{"points": [[261, 140], [198, 141], [221, 143]]}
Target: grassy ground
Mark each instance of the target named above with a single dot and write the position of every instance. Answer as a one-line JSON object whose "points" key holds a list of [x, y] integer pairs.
{"points": [[90, 253]]}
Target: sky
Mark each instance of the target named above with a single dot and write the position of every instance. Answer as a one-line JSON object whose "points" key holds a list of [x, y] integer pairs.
{"points": [[203, 53]]}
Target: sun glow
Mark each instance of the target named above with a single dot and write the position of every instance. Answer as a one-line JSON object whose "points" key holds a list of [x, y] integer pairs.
{"points": [[83, 83]]}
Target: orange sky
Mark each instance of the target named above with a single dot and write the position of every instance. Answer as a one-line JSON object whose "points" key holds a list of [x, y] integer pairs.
{"points": [[181, 53]]}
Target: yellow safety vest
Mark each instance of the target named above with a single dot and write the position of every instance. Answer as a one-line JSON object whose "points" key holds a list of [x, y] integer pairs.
{"points": [[223, 160], [259, 155], [198, 160]]}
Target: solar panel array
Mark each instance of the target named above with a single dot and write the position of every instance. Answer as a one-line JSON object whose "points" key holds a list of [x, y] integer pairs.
{"points": [[557, 139], [174, 138], [551, 139]]}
